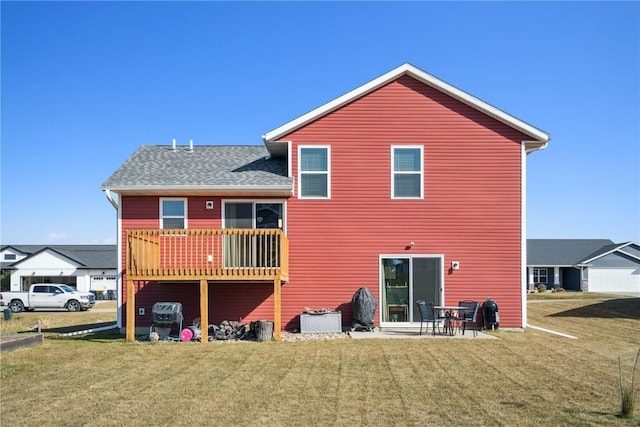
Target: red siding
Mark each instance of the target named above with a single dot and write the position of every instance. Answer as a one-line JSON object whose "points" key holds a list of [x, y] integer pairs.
{"points": [[471, 211]]}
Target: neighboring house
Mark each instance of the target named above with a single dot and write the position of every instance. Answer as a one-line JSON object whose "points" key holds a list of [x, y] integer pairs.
{"points": [[406, 185], [84, 267], [594, 265]]}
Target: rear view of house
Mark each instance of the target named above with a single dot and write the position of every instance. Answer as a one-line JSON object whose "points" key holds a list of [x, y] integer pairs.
{"points": [[406, 185]]}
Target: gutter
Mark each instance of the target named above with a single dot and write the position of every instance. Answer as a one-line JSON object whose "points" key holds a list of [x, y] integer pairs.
{"points": [[109, 195]]}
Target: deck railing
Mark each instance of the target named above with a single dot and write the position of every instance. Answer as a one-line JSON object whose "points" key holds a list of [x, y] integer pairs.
{"points": [[236, 254]]}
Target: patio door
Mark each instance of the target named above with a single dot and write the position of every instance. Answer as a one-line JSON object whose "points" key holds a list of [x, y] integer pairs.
{"points": [[405, 280], [256, 251]]}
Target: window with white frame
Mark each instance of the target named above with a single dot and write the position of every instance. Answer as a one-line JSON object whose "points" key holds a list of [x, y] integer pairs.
{"points": [[540, 275], [173, 213], [314, 181], [407, 172]]}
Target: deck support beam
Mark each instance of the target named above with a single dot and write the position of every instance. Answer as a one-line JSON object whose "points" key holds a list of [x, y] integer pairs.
{"points": [[204, 310], [131, 311], [277, 308]]}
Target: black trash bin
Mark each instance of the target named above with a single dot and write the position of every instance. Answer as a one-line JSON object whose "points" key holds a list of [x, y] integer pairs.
{"points": [[490, 314], [8, 314]]}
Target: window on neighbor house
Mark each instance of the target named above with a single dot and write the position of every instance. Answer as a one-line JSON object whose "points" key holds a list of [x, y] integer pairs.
{"points": [[173, 213], [313, 171], [10, 257], [407, 172], [540, 275]]}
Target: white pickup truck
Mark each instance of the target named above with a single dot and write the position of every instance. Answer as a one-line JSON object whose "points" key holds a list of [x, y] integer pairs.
{"points": [[48, 295]]}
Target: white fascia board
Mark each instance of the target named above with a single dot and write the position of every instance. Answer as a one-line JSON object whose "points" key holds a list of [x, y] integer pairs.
{"points": [[199, 188], [539, 137], [548, 265], [616, 249]]}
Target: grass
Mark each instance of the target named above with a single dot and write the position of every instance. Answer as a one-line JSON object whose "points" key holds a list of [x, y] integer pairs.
{"points": [[521, 379], [54, 321]]}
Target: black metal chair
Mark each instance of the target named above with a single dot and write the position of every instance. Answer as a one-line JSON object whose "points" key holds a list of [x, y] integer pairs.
{"points": [[469, 316], [428, 314]]}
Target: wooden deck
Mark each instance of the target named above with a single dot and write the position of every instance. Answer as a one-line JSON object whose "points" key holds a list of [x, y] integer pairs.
{"points": [[255, 255]]}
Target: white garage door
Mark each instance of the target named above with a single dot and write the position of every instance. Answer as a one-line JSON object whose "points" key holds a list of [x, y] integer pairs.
{"points": [[614, 280], [103, 283]]}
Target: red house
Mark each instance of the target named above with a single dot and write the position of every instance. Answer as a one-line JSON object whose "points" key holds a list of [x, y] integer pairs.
{"points": [[406, 185]]}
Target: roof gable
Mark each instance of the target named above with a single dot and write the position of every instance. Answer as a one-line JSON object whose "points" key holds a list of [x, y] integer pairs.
{"points": [[538, 140], [50, 257], [631, 251], [83, 256]]}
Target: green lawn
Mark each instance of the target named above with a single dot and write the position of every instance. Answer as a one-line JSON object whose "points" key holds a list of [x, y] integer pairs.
{"points": [[526, 378]]}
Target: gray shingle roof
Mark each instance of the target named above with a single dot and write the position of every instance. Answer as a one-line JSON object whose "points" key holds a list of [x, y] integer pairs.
{"points": [[89, 256], [563, 252], [205, 166]]}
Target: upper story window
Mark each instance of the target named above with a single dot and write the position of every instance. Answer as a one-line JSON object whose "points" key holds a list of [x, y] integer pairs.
{"points": [[173, 213], [407, 172], [10, 257], [314, 169]]}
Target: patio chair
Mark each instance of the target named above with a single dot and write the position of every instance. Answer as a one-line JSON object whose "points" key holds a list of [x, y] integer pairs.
{"points": [[469, 316], [428, 314]]}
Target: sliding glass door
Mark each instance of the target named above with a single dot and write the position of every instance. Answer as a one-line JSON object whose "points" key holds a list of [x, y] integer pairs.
{"points": [[255, 250], [405, 280]]}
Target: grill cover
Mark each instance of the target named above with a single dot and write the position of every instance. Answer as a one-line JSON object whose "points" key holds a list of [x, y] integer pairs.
{"points": [[166, 313], [364, 309]]}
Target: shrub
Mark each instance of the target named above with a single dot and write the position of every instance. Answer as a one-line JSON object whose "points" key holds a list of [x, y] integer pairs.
{"points": [[627, 393], [542, 288], [558, 289]]}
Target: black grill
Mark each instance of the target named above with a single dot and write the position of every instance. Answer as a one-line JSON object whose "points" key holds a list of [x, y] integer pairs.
{"points": [[166, 314]]}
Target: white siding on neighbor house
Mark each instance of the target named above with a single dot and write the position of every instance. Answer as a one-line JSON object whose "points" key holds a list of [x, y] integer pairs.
{"points": [[12, 253], [51, 264], [614, 279], [47, 263]]}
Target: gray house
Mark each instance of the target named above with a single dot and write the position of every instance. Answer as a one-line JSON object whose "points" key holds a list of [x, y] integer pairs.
{"points": [[594, 265], [91, 268]]}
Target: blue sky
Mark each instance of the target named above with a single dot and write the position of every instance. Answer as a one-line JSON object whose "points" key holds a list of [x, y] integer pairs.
{"points": [[83, 84]]}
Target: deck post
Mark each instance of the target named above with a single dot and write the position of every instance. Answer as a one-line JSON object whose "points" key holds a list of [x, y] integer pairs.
{"points": [[204, 310], [131, 311], [277, 309]]}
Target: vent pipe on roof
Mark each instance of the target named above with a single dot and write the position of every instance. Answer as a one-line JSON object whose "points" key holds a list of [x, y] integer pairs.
{"points": [[191, 145], [174, 144]]}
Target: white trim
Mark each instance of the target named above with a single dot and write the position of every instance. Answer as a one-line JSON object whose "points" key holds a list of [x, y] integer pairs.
{"points": [[283, 202], [616, 249], [539, 270], [539, 141], [328, 172], [411, 308], [120, 249], [185, 200], [523, 233], [393, 172], [289, 166], [194, 189]]}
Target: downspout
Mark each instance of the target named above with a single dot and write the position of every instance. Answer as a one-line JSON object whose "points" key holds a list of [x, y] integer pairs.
{"points": [[523, 225], [115, 205], [107, 193]]}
